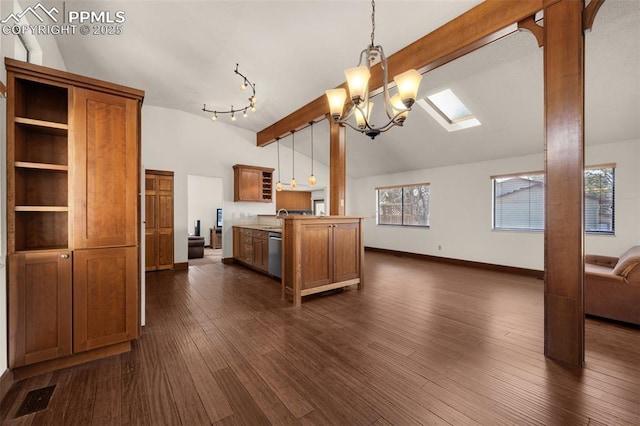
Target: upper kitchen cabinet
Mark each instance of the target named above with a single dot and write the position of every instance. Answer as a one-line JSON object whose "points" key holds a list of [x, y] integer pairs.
{"points": [[252, 183]]}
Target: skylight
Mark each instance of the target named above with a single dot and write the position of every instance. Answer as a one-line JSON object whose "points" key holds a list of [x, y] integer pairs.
{"points": [[448, 110]]}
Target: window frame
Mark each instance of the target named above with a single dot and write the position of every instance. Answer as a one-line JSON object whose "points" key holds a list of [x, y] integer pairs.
{"points": [[611, 166], [402, 189]]}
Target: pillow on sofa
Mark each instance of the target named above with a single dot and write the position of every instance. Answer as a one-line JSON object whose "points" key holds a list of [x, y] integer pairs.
{"points": [[627, 261]]}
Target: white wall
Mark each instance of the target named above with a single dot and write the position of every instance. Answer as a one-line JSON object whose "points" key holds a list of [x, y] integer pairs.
{"points": [[204, 197], [461, 210], [190, 144]]}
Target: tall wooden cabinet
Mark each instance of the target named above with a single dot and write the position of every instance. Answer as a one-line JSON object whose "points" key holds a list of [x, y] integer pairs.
{"points": [[73, 160], [158, 220]]}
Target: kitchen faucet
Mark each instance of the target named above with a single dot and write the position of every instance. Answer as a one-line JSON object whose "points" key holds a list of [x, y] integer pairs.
{"points": [[280, 218]]}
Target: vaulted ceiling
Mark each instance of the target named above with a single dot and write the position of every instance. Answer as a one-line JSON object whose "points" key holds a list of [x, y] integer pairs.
{"points": [[183, 53]]}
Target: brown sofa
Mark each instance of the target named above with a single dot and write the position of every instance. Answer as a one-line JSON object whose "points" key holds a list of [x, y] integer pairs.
{"points": [[195, 249], [612, 286]]}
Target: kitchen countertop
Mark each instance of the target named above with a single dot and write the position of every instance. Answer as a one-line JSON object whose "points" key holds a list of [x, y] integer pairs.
{"points": [[260, 227]]}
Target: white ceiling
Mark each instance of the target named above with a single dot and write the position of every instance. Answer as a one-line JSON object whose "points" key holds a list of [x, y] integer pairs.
{"points": [[183, 53]]}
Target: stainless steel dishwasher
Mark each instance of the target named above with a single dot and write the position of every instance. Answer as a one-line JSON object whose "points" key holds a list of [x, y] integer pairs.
{"points": [[275, 254]]}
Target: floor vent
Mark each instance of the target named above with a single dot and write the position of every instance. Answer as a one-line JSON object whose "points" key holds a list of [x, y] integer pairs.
{"points": [[36, 400]]}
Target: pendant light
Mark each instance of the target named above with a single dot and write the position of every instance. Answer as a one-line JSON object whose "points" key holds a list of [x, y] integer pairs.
{"points": [[294, 184], [359, 103], [278, 184], [312, 178]]}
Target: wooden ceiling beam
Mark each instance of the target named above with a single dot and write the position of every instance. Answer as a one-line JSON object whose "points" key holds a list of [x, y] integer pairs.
{"points": [[484, 24]]}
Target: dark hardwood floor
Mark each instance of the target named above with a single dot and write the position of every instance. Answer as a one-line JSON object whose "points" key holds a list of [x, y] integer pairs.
{"points": [[424, 343]]}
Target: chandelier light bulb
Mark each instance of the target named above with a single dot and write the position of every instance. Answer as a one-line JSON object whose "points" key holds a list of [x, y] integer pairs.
{"points": [[399, 108], [358, 81], [361, 120], [244, 114], [294, 184], [336, 99], [243, 86], [253, 109], [407, 84], [214, 117], [279, 186], [233, 116], [312, 180]]}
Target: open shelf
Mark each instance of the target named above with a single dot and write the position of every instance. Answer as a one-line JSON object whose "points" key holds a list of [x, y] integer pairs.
{"points": [[41, 102], [38, 144], [38, 230], [40, 187]]}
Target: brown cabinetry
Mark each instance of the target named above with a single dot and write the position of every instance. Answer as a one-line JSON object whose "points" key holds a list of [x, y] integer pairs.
{"points": [[105, 297], [321, 254], [293, 200], [252, 183], [40, 310], [72, 195], [158, 220], [251, 247]]}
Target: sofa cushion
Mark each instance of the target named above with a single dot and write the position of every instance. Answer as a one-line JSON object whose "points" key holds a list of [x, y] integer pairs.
{"points": [[627, 261]]}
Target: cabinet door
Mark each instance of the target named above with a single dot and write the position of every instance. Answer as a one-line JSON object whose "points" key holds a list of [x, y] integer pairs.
{"points": [[346, 251], [237, 243], [260, 253], [264, 260], [105, 297], [39, 307], [316, 250], [249, 185], [105, 170]]}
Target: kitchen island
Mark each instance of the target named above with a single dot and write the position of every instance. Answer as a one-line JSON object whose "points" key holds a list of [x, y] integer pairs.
{"points": [[321, 253]]}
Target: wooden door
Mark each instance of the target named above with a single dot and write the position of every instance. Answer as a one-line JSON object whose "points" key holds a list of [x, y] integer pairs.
{"points": [[39, 307], [316, 250], [346, 253], [106, 170], [158, 220], [105, 297]]}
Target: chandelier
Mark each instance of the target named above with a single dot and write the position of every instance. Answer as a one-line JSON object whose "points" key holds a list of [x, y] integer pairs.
{"points": [[396, 107], [252, 100]]}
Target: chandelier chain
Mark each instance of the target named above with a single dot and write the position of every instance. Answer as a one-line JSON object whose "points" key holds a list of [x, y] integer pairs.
{"points": [[373, 21]]}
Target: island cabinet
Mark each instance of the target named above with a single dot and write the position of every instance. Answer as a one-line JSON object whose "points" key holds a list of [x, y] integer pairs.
{"points": [[73, 161], [320, 254]]}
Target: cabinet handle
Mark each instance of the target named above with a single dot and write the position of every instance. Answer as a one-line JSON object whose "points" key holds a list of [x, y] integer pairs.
{"points": [[64, 256]]}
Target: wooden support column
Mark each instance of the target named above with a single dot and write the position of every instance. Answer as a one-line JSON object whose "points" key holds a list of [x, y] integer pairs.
{"points": [[338, 168], [564, 168]]}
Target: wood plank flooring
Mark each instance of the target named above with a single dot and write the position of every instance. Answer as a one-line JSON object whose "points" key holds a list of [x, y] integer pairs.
{"points": [[424, 343]]}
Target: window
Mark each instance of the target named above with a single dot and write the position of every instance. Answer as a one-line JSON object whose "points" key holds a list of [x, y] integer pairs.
{"points": [[406, 205], [449, 111], [599, 199], [518, 201]]}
